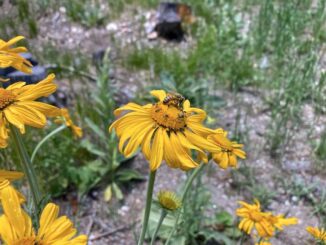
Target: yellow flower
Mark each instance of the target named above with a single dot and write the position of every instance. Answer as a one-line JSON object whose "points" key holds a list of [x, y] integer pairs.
{"points": [[77, 131], [16, 226], [6, 177], [169, 200], [263, 243], [230, 150], [279, 221], [17, 106], [10, 56], [264, 222], [168, 129], [254, 217], [317, 233]]}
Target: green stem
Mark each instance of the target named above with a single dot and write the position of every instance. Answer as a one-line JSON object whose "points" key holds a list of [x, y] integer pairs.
{"points": [[183, 197], [242, 239], [163, 215], [149, 195], [54, 132], [27, 166]]}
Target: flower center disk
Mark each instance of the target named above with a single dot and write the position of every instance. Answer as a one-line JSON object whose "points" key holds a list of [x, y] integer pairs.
{"points": [[6, 98], [169, 116]]}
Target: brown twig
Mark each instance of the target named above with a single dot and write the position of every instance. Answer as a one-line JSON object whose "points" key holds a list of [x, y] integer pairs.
{"points": [[90, 225], [108, 233]]}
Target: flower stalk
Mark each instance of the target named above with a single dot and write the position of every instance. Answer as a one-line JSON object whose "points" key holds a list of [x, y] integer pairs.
{"points": [[149, 196], [27, 166], [46, 138], [183, 197], [162, 217]]}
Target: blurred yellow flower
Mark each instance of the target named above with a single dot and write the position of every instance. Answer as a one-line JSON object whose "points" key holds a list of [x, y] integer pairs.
{"points": [[263, 243], [16, 226], [279, 221], [167, 130], [230, 150], [254, 217], [264, 222], [77, 131], [169, 200], [17, 106], [318, 233], [10, 56], [5, 178]]}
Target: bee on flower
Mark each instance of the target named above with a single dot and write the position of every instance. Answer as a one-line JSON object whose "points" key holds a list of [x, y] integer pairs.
{"points": [[169, 130]]}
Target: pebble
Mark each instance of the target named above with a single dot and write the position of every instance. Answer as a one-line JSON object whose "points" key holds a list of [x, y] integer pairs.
{"points": [[62, 9], [111, 27], [296, 165]]}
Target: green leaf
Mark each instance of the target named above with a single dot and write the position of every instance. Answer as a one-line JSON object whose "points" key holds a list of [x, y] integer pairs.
{"points": [[89, 146], [117, 191], [126, 175], [108, 193], [224, 218], [96, 129], [217, 236]]}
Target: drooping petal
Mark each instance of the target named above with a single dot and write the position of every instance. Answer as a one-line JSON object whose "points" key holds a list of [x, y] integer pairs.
{"points": [[157, 149], [42, 89]]}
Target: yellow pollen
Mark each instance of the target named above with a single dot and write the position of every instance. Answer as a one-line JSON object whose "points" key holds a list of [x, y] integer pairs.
{"points": [[6, 98], [169, 116]]}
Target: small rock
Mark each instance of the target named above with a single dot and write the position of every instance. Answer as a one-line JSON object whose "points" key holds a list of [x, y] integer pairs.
{"points": [[152, 36], [296, 165], [112, 27], [294, 199], [62, 9]]}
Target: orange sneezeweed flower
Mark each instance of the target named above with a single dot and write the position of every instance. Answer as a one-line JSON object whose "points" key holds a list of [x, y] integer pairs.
{"points": [[19, 108], [264, 222], [253, 217], [77, 131], [230, 150], [318, 233], [167, 130], [16, 226], [263, 243], [10, 56], [6, 177]]}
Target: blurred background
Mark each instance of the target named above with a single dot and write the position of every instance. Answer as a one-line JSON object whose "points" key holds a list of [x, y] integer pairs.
{"points": [[256, 66]]}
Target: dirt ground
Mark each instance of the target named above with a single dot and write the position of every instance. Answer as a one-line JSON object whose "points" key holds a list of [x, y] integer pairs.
{"points": [[118, 223]]}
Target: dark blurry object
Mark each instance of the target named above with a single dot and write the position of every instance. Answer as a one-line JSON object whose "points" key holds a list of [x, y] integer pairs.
{"points": [[38, 74], [170, 17], [28, 56], [59, 98]]}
